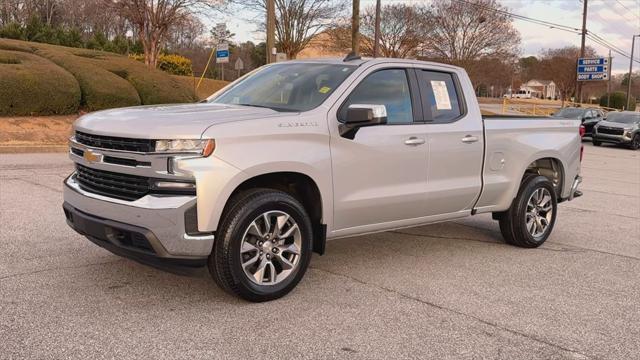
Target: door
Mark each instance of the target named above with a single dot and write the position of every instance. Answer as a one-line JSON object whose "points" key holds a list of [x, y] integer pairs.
{"points": [[455, 143], [380, 175]]}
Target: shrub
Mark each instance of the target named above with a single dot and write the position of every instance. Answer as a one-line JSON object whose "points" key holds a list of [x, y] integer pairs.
{"points": [[12, 30], [31, 85], [153, 86], [109, 80], [101, 89], [173, 64], [618, 100]]}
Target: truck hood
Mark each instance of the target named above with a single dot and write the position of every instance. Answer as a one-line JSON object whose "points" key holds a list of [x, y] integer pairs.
{"points": [[180, 121], [618, 125]]}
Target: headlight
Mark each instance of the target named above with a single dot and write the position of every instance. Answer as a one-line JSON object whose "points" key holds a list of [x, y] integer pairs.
{"points": [[204, 147]]}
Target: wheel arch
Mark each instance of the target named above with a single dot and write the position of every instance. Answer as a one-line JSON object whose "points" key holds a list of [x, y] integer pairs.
{"points": [[550, 167], [297, 184]]}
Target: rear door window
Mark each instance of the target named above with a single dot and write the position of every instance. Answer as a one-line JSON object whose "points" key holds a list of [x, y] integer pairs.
{"points": [[440, 96]]}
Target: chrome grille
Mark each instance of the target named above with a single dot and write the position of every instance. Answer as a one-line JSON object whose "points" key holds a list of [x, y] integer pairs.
{"points": [[117, 185], [610, 130]]}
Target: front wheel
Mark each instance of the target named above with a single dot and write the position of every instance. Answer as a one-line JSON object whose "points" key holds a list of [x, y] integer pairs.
{"points": [[263, 246], [532, 215], [595, 142]]}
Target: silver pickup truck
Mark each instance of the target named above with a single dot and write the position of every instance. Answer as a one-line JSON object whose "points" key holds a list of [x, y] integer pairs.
{"points": [[259, 176]]}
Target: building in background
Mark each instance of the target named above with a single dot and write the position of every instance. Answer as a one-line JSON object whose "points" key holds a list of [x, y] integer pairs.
{"points": [[543, 89]]}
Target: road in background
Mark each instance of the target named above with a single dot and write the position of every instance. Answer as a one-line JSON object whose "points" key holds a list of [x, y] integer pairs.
{"points": [[452, 290]]}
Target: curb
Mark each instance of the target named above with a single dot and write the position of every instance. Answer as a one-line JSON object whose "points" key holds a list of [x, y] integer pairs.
{"points": [[23, 149]]}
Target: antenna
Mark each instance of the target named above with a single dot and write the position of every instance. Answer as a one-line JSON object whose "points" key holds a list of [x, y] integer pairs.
{"points": [[352, 56]]}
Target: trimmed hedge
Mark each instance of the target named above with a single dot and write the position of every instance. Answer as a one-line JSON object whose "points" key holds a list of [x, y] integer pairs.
{"points": [[101, 89], [32, 85], [153, 86], [106, 80]]}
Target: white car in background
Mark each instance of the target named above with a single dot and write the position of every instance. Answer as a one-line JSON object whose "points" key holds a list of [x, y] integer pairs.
{"points": [[521, 94]]}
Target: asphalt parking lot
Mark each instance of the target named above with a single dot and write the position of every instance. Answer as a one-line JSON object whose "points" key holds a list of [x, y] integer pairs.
{"points": [[449, 290]]}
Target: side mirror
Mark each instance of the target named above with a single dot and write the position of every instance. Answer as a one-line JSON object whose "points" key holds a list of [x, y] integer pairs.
{"points": [[366, 115], [361, 115]]}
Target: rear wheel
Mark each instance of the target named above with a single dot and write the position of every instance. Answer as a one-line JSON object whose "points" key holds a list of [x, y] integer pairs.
{"points": [[635, 143], [532, 215], [263, 247]]}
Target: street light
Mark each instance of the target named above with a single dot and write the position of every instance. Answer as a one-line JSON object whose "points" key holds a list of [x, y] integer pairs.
{"points": [[633, 42]]}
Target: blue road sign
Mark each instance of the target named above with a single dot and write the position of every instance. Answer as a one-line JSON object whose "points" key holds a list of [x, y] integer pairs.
{"points": [[593, 77], [222, 53], [593, 69], [594, 61]]}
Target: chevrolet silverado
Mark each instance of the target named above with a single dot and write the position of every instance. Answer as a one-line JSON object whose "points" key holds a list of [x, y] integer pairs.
{"points": [[256, 178]]}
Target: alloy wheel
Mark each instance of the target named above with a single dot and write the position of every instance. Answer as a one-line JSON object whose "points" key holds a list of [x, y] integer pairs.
{"points": [[270, 249], [539, 212]]}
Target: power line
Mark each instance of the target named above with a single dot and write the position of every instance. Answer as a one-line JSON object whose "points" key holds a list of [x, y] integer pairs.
{"points": [[592, 36], [631, 11], [598, 41], [608, 44], [526, 18]]}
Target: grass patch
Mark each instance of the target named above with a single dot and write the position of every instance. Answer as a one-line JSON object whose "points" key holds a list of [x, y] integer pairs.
{"points": [[207, 87], [106, 80], [33, 85], [11, 60]]}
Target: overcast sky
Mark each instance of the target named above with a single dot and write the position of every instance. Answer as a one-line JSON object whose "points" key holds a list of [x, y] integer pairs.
{"points": [[614, 20]]}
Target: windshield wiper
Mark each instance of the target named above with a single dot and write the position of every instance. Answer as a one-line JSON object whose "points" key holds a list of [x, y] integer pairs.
{"points": [[279, 109]]}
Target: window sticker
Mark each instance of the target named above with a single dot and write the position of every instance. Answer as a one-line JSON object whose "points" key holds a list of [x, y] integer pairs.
{"points": [[441, 94], [324, 89]]}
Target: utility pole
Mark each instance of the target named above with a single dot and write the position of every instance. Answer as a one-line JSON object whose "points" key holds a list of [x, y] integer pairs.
{"points": [[271, 30], [609, 80], [633, 42], [355, 28], [584, 34], [377, 31]]}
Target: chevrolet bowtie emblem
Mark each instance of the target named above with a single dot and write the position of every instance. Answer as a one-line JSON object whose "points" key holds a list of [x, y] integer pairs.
{"points": [[92, 157]]}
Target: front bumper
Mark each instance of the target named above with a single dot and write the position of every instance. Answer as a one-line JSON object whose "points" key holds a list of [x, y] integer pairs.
{"points": [[614, 139], [153, 226]]}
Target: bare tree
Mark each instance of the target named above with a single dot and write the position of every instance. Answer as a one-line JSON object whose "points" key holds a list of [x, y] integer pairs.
{"points": [[298, 21], [460, 31], [152, 20], [400, 30], [185, 33]]}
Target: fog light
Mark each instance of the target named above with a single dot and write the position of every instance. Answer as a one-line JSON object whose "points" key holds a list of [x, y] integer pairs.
{"points": [[167, 186], [174, 185]]}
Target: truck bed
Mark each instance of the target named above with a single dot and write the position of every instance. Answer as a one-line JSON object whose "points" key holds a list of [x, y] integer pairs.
{"points": [[512, 143]]}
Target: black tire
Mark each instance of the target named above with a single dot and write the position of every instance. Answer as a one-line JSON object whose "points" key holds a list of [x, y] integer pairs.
{"points": [[225, 260], [595, 142], [513, 221], [635, 142]]}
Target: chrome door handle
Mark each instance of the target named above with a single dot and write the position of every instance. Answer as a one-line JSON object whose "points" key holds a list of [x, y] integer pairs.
{"points": [[469, 139], [414, 141]]}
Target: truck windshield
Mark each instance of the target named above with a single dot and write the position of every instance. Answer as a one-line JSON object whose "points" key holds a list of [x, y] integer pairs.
{"points": [[287, 87], [625, 118]]}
